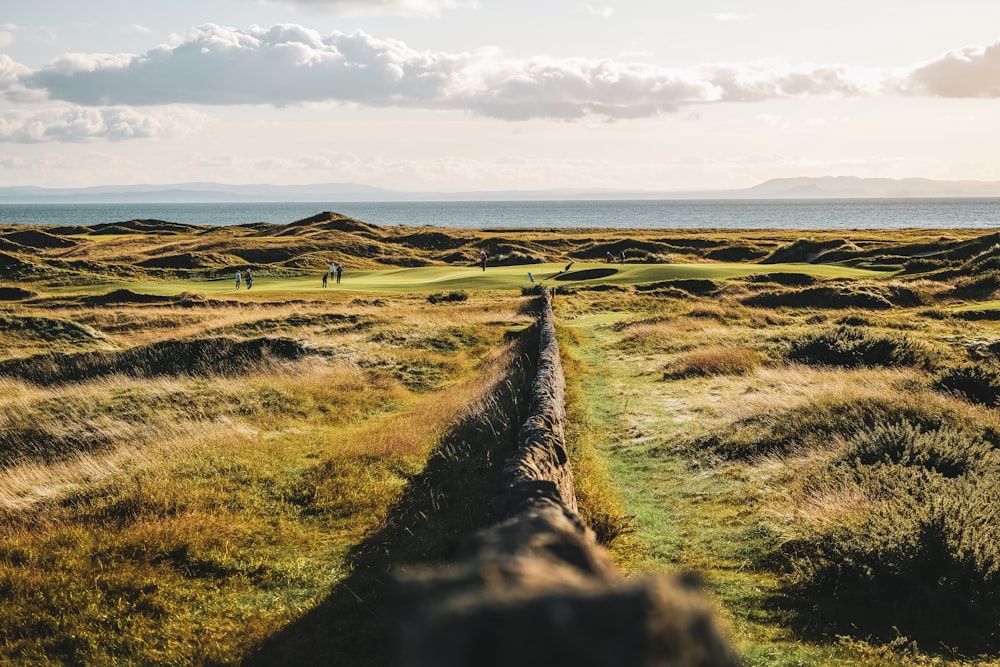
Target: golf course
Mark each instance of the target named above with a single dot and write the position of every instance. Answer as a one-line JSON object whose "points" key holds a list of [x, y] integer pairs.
{"points": [[190, 473]]}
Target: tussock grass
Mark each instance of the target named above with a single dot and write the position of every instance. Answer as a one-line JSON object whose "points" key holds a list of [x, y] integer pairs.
{"points": [[717, 360], [838, 508], [186, 519]]}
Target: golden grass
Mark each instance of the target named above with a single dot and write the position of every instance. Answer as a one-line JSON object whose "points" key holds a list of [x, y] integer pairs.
{"points": [[411, 431], [714, 360]]}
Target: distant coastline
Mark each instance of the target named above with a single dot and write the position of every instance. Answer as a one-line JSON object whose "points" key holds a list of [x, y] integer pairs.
{"points": [[786, 214], [829, 187]]}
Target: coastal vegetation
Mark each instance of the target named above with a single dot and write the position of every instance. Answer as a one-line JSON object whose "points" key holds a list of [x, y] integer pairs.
{"points": [[198, 475]]}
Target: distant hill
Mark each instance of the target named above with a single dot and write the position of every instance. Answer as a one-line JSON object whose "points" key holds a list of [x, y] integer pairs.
{"points": [[827, 187], [852, 187]]}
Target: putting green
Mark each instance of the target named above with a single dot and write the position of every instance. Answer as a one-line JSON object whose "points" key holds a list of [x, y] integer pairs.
{"points": [[438, 279]]}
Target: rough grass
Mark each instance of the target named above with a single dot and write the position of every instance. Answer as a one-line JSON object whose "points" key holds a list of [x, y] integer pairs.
{"points": [[838, 509], [188, 518], [248, 514]]}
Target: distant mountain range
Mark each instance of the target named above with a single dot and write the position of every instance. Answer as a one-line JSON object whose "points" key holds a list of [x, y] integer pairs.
{"points": [[828, 187]]}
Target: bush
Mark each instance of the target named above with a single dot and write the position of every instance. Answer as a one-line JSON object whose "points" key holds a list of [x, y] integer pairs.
{"points": [[976, 382], [441, 297], [924, 559], [851, 347], [946, 451]]}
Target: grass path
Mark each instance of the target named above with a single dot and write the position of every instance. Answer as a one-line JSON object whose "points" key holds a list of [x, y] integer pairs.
{"points": [[431, 279], [688, 518]]}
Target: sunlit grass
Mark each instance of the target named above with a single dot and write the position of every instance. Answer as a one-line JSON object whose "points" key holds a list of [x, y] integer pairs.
{"points": [[187, 519], [722, 464]]}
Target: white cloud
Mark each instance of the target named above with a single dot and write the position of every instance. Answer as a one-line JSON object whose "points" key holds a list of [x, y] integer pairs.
{"points": [[136, 28], [12, 87], [773, 78], [289, 65], [80, 124], [973, 71], [377, 7]]}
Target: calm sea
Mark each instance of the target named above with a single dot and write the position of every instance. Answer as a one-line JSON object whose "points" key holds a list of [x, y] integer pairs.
{"points": [[728, 213]]}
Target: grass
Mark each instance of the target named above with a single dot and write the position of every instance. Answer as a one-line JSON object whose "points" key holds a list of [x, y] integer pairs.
{"points": [[795, 456], [446, 279], [190, 518], [728, 457]]}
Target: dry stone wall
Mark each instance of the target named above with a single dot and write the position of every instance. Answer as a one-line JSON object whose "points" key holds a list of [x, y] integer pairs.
{"points": [[536, 588]]}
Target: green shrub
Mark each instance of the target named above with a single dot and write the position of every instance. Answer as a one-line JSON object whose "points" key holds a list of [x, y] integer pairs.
{"points": [[823, 421], [442, 297], [851, 347], [947, 451], [923, 561], [976, 382]]}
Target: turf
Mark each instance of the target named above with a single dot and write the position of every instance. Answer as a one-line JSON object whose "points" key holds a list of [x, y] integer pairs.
{"points": [[432, 279]]}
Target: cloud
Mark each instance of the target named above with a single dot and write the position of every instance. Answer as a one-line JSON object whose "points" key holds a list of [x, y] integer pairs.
{"points": [[973, 71], [282, 65], [290, 65], [377, 7], [79, 124], [774, 78], [12, 87], [136, 28]]}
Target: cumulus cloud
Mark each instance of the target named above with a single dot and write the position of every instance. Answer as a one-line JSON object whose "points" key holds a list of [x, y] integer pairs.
{"points": [[772, 78], [281, 65], [290, 64], [12, 87], [973, 71], [79, 124], [377, 7]]}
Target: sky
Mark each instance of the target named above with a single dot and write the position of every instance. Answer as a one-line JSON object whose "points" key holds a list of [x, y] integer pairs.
{"points": [[481, 95]]}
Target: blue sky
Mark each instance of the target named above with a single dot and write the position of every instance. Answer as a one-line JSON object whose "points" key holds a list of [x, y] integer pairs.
{"points": [[481, 95]]}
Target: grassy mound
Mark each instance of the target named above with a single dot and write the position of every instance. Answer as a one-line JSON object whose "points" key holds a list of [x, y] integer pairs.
{"points": [[922, 560], [867, 297], [850, 347], [203, 356], [825, 420], [49, 329], [804, 251], [33, 238], [690, 285], [16, 294]]}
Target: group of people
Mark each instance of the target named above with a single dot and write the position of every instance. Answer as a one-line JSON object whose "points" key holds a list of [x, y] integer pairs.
{"points": [[336, 270], [244, 276], [610, 257]]}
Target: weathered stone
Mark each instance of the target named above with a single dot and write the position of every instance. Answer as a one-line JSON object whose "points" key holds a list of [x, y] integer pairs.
{"points": [[536, 588]]}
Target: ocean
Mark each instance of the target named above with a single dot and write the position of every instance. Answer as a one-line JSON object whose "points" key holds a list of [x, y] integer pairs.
{"points": [[787, 214]]}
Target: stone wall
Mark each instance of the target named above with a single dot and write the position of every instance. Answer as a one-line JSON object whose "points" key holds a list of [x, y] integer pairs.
{"points": [[536, 588]]}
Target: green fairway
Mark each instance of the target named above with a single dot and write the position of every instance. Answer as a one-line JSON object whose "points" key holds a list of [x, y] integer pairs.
{"points": [[435, 279]]}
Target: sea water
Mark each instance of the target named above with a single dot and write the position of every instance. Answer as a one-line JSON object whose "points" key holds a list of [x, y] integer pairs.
{"points": [[785, 214]]}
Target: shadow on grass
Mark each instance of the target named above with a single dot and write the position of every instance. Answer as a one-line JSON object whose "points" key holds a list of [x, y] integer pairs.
{"points": [[448, 500]]}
